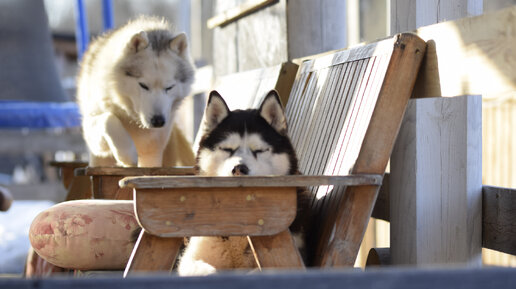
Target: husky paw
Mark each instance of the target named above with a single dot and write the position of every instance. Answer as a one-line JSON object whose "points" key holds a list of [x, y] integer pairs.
{"points": [[127, 157], [196, 268]]}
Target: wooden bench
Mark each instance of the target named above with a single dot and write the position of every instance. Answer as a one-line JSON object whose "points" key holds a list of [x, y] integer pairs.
{"points": [[344, 112]]}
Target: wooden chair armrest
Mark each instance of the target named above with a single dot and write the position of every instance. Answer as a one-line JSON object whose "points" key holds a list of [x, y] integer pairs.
{"points": [[164, 182], [69, 164], [121, 171]]}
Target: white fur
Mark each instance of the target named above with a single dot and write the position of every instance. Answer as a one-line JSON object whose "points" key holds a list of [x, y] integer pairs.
{"points": [[219, 163], [116, 110], [206, 255]]}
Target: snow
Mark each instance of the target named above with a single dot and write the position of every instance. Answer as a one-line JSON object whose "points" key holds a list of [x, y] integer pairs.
{"points": [[14, 231]]}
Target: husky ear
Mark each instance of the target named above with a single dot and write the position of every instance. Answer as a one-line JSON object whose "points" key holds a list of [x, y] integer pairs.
{"points": [[138, 42], [179, 44], [216, 111], [272, 111]]}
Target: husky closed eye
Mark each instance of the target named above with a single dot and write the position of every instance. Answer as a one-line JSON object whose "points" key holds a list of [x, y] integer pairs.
{"points": [[167, 89], [256, 152], [143, 86], [228, 150]]}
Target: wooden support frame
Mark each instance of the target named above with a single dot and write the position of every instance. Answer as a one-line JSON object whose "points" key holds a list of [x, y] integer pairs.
{"points": [[374, 99]]}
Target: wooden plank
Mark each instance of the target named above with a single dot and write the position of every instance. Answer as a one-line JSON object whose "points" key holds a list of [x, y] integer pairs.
{"points": [[153, 254], [242, 10], [498, 219], [248, 181], [215, 212], [320, 123], [436, 183], [339, 242], [121, 171], [276, 252]]}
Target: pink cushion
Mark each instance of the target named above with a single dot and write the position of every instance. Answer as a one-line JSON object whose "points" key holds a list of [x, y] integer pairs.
{"points": [[85, 234]]}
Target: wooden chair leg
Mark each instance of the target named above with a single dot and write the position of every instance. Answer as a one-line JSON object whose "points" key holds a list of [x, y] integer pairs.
{"points": [[277, 251], [152, 253]]}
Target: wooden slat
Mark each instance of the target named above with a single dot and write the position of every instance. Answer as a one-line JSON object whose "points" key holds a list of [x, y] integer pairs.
{"points": [[310, 118], [339, 242], [276, 252], [215, 212], [153, 254], [164, 182], [327, 122], [499, 219]]}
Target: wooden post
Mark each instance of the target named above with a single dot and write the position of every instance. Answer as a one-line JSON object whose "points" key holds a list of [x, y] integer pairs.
{"points": [[436, 183]]}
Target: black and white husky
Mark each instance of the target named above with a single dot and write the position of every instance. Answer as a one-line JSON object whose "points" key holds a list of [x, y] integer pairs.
{"points": [[234, 143]]}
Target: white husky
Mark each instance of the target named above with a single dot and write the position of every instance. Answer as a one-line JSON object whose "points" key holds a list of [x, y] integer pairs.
{"points": [[240, 142], [131, 82]]}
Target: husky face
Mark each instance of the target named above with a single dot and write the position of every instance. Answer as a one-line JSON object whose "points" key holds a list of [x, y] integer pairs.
{"points": [[245, 142], [157, 74]]}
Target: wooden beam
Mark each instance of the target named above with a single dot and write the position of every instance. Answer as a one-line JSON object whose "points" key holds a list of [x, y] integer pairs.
{"points": [[233, 14], [470, 56], [436, 183], [499, 219]]}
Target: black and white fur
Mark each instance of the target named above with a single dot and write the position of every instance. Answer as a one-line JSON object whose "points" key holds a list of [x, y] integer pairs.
{"points": [[234, 143]]}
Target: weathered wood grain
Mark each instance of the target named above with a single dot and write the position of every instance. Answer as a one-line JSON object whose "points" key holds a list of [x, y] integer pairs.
{"points": [[121, 171], [499, 219], [436, 183], [340, 239], [153, 254], [215, 212], [276, 252], [164, 182]]}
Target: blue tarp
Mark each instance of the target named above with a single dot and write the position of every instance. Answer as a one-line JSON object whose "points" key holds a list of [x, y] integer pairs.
{"points": [[38, 115]]}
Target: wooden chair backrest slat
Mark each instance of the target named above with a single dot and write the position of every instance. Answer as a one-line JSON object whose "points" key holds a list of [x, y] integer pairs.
{"points": [[337, 102]]}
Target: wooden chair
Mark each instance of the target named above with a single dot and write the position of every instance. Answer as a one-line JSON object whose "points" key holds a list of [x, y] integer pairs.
{"points": [[344, 113]]}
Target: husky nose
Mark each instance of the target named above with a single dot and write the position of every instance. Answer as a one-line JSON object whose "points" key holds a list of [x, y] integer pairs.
{"points": [[157, 121], [240, 170]]}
